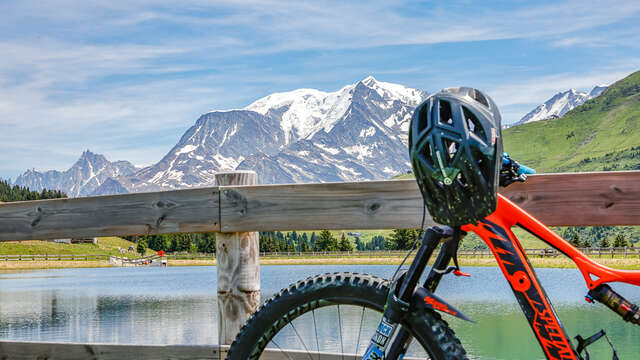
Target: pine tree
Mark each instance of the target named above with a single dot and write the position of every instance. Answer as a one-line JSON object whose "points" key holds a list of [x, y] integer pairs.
{"points": [[345, 244], [402, 239], [575, 240], [141, 247], [604, 243], [304, 247], [326, 241], [207, 243], [312, 241], [620, 241]]}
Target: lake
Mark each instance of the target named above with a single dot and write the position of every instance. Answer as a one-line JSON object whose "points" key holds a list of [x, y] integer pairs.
{"points": [[177, 305]]}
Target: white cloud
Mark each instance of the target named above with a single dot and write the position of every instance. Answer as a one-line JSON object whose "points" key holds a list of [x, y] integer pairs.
{"points": [[97, 75]]}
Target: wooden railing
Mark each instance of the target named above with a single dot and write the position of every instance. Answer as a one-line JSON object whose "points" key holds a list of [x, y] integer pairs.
{"points": [[623, 252], [238, 209], [605, 198]]}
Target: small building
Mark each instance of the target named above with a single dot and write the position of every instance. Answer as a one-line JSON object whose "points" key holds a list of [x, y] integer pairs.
{"points": [[92, 240], [61, 241]]}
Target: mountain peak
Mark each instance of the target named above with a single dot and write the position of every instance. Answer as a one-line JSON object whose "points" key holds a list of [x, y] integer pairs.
{"points": [[86, 174], [369, 81], [560, 104], [88, 154]]}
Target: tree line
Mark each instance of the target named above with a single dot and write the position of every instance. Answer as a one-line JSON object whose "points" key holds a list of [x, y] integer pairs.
{"points": [[599, 236], [277, 241], [10, 193]]}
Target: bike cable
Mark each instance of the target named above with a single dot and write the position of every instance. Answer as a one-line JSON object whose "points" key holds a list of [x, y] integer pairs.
{"points": [[413, 245]]}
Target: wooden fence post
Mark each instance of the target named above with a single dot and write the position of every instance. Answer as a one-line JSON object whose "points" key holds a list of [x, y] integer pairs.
{"points": [[238, 268]]}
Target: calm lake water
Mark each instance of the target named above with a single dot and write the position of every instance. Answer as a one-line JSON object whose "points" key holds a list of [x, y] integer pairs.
{"points": [[177, 305]]}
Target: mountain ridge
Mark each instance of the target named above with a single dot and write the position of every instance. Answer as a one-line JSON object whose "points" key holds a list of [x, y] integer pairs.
{"points": [[559, 104], [357, 132], [600, 135], [81, 179]]}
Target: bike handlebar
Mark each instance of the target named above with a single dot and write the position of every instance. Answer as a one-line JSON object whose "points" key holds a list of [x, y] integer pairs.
{"points": [[512, 171]]}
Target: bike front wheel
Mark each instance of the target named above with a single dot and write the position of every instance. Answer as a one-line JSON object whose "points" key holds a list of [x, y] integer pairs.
{"points": [[333, 316]]}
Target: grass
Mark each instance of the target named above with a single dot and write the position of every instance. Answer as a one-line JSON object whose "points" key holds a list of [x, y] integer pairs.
{"points": [[602, 134], [619, 262], [34, 265], [105, 246]]}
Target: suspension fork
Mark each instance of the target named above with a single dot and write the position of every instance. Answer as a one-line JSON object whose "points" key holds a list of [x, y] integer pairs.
{"points": [[448, 250], [400, 294]]}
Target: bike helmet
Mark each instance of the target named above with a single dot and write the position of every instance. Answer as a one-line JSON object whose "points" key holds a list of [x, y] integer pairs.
{"points": [[455, 146]]}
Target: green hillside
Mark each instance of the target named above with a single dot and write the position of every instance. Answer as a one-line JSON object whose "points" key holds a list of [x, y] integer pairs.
{"points": [[105, 246], [602, 134]]}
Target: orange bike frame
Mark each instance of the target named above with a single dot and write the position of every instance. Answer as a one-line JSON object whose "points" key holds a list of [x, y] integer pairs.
{"points": [[496, 232]]}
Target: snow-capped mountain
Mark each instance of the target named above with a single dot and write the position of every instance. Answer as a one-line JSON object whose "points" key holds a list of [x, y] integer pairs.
{"points": [[305, 135], [560, 104], [356, 133], [82, 179], [366, 142]]}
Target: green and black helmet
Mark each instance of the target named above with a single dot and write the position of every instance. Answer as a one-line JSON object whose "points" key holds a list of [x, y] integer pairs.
{"points": [[455, 145]]}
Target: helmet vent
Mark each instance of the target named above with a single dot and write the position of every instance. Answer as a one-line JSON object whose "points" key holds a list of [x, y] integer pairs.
{"points": [[445, 112], [482, 163], [427, 156], [423, 120], [473, 124], [477, 96]]}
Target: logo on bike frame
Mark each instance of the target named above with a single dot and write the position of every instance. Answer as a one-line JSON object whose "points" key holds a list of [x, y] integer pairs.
{"points": [[526, 287]]}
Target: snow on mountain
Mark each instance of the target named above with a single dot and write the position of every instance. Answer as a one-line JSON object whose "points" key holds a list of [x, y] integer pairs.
{"points": [[304, 135], [597, 91], [82, 179], [219, 140], [358, 132], [560, 104], [304, 112]]}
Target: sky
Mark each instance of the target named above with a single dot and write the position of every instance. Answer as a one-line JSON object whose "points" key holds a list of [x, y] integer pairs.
{"points": [[127, 78]]}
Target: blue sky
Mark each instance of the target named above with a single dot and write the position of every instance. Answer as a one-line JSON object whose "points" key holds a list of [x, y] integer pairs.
{"points": [[127, 78]]}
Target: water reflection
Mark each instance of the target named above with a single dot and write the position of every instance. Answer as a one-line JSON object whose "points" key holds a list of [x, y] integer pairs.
{"points": [[178, 306]]}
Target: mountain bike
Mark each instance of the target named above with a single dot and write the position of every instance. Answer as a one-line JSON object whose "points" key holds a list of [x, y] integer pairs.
{"points": [[411, 314]]}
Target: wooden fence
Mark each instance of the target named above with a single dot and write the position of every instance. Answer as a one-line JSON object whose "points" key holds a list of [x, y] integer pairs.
{"points": [[579, 199], [239, 208], [622, 252]]}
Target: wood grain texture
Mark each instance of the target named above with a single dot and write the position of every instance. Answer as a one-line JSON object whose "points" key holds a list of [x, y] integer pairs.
{"points": [[26, 350], [191, 210], [238, 269], [580, 199], [361, 205]]}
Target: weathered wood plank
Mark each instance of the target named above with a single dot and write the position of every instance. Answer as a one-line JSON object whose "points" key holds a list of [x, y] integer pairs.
{"points": [[27, 350], [580, 199], [361, 205], [604, 198], [238, 256], [191, 210]]}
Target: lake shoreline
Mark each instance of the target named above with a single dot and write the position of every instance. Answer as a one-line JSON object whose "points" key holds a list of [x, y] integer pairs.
{"points": [[537, 262]]}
